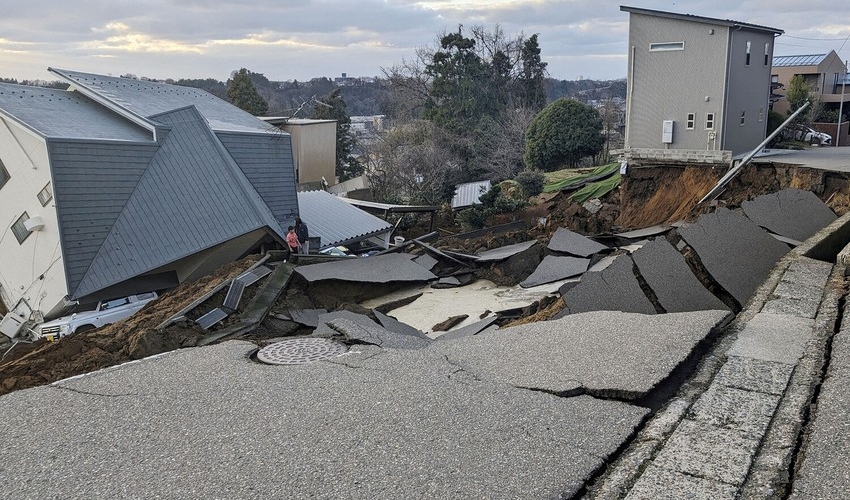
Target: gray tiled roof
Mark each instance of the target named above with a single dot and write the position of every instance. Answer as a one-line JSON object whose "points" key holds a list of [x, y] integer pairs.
{"points": [[192, 196], [60, 113], [803, 60], [337, 222], [146, 98]]}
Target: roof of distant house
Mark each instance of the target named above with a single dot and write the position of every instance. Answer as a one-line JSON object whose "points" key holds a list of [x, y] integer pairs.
{"points": [[800, 60], [337, 222], [699, 19]]}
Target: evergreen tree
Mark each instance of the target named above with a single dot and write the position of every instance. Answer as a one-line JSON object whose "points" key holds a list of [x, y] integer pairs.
{"points": [[563, 133], [241, 92], [333, 107], [532, 80]]}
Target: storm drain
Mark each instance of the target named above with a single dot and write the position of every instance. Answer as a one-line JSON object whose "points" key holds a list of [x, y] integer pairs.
{"points": [[300, 351]]}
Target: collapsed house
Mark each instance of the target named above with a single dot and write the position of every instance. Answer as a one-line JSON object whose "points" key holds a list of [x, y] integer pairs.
{"points": [[118, 186]]}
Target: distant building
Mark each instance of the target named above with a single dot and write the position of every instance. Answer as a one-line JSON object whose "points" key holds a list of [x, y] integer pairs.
{"points": [[344, 80], [697, 83], [313, 148], [824, 73]]}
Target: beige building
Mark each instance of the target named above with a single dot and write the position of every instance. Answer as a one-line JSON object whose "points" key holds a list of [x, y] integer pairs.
{"points": [[822, 72], [313, 147]]}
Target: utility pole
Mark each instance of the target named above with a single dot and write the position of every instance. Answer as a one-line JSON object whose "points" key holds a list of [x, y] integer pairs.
{"points": [[841, 106]]}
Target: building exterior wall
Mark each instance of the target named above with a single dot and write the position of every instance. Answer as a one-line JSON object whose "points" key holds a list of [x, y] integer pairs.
{"points": [[313, 150], [671, 84], [32, 274], [744, 124], [820, 77]]}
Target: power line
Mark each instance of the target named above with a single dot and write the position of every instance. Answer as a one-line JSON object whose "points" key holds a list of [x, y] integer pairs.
{"points": [[815, 39]]}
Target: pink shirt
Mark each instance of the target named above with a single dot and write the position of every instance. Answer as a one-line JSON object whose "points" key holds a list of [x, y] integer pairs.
{"points": [[292, 239]]}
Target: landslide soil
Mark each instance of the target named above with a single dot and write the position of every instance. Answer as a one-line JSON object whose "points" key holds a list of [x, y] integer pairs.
{"points": [[647, 197]]}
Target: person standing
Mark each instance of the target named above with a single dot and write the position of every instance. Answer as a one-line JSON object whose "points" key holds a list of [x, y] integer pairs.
{"points": [[292, 242], [303, 235]]}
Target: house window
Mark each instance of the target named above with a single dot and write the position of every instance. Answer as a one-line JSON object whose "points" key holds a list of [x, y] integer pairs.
{"points": [[18, 228], [45, 195], [761, 115], [766, 53], [691, 119], [709, 121], [774, 78], [4, 175], [743, 117], [663, 46], [749, 47]]}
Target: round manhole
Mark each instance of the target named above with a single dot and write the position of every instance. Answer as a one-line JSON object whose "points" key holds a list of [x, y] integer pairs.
{"points": [[299, 351]]}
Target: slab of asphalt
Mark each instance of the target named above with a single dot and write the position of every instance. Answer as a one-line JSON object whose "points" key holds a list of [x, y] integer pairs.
{"points": [[737, 253], [566, 241], [376, 269], [671, 279], [504, 252], [555, 268], [372, 423], [792, 213], [614, 288]]}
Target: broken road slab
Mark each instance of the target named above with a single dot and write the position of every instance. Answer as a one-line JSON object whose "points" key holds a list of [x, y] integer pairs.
{"points": [[554, 268], [504, 252], [780, 338], [376, 269], [586, 352], [615, 288], [468, 330], [792, 213], [376, 335], [737, 253], [672, 281], [392, 324], [408, 424], [566, 241]]}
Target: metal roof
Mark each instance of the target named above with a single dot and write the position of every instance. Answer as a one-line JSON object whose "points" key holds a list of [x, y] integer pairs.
{"points": [[335, 221], [61, 113], [802, 60], [146, 98], [390, 208], [467, 194], [699, 19]]}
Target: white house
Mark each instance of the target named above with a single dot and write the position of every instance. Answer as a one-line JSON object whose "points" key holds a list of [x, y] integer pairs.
{"points": [[118, 186]]}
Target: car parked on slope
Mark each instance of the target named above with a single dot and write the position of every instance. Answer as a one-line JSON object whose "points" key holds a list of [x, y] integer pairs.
{"points": [[106, 312]]}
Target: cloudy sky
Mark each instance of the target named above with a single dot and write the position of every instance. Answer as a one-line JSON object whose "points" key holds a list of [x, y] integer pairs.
{"points": [[302, 39]]}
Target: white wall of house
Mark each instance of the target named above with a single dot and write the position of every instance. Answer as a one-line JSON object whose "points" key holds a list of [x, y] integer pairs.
{"points": [[32, 277]]}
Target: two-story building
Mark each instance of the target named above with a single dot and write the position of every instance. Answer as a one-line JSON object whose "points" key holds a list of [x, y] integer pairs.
{"points": [[696, 83], [119, 186]]}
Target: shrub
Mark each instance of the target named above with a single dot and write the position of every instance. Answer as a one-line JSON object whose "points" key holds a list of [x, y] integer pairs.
{"points": [[531, 182]]}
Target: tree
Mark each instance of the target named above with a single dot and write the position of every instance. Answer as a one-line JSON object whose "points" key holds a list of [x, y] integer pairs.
{"points": [[332, 107], [563, 133], [798, 93], [242, 93], [531, 83]]}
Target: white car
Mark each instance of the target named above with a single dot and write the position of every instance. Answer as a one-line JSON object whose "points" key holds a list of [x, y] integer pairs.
{"points": [[107, 312], [812, 136]]}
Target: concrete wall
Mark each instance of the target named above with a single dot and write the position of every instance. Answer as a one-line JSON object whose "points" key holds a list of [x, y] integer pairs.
{"points": [[668, 85], [748, 91], [313, 150], [32, 272]]}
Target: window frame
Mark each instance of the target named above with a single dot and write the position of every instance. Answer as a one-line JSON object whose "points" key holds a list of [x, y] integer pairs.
{"points": [[4, 175], [709, 121], [19, 229], [749, 50], [761, 115], [691, 121], [49, 197], [743, 117], [766, 53], [666, 46]]}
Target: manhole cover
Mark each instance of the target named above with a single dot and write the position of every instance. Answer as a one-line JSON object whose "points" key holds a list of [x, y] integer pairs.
{"points": [[299, 351]]}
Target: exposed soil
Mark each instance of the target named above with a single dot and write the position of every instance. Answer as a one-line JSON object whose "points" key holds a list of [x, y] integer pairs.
{"points": [[648, 196]]}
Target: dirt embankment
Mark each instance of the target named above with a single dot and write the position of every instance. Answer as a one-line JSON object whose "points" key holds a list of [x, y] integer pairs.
{"points": [[43, 362]]}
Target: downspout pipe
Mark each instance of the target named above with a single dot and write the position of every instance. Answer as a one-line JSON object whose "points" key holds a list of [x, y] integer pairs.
{"points": [[721, 184]]}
